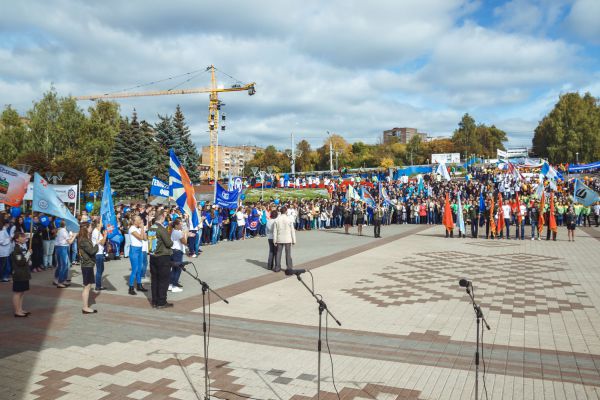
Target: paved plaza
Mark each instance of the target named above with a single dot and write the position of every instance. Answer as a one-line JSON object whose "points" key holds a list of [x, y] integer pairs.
{"points": [[408, 329]]}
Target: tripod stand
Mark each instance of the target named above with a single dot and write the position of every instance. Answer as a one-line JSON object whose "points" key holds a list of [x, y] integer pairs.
{"points": [[205, 290], [322, 307], [479, 316]]}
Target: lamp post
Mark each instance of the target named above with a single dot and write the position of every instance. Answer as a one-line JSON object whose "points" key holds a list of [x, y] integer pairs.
{"points": [[577, 157], [50, 176]]}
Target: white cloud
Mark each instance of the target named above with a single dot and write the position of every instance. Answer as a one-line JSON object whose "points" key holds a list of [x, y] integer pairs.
{"points": [[584, 20]]}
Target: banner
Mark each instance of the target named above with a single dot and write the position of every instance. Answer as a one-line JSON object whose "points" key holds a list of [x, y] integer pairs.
{"points": [[227, 199], [445, 158], [46, 200], [107, 213], [582, 167], [13, 185], [159, 188], [66, 193], [584, 195], [252, 222]]}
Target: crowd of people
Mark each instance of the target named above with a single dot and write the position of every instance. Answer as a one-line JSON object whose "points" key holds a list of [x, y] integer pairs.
{"points": [[156, 238]]}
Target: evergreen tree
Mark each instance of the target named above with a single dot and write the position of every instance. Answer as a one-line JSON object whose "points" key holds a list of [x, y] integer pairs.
{"points": [[134, 158], [184, 147], [165, 138]]}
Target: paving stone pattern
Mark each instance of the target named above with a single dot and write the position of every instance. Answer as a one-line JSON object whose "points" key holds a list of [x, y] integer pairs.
{"points": [[407, 333]]}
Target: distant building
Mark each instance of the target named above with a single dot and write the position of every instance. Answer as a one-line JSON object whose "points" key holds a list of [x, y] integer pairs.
{"points": [[402, 135], [230, 158]]}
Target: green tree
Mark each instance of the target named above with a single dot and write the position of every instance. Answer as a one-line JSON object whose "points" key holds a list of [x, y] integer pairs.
{"points": [[134, 158], [305, 160], [13, 135], [471, 138], [184, 147], [98, 134], [573, 126], [165, 137]]}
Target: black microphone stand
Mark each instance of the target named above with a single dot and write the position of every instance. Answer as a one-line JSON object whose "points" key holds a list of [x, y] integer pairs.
{"points": [[479, 316], [322, 307], [205, 290]]}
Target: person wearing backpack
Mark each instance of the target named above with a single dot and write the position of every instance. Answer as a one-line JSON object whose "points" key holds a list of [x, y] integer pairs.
{"points": [[159, 248]]}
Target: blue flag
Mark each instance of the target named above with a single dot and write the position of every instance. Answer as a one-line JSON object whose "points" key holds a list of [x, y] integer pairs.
{"points": [[459, 216], [584, 195], [481, 203], [107, 213], [225, 198], [159, 188], [45, 200]]}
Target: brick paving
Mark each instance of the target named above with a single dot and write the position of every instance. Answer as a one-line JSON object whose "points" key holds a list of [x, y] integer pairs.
{"points": [[407, 333]]}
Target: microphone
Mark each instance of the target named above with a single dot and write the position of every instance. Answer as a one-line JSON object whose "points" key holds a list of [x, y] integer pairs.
{"points": [[465, 283], [180, 264], [296, 272]]}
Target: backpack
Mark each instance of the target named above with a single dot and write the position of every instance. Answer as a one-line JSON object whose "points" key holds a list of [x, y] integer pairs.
{"points": [[152, 239]]}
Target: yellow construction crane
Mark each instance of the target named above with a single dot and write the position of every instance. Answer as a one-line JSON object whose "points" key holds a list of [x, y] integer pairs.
{"points": [[214, 106]]}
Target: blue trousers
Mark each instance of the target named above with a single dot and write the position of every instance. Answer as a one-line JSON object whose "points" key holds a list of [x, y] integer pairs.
{"points": [[144, 264], [215, 234], [62, 257], [5, 268], [176, 257], [99, 269], [135, 258], [232, 231]]}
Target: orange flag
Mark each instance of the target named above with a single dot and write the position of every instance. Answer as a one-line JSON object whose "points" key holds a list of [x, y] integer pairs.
{"points": [[519, 216], [447, 220], [492, 222], [541, 217], [552, 219], [500, 214]]}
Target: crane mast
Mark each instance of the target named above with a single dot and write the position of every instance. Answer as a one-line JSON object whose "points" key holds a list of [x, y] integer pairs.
{"points": [[214, 106]]}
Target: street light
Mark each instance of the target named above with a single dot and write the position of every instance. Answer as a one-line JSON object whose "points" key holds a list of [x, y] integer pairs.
{"points": [[577, 157], [262, 174]]}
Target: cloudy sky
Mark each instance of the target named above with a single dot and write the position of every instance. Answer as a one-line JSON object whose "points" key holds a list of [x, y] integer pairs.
{"points": [[349, 67]]}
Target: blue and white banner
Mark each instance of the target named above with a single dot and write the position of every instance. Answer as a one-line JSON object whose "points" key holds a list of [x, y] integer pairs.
{"points": [[159, 188], [45, 200], [584, 195], [237, 184], [550, 172], [107, 213], [225, 198]]}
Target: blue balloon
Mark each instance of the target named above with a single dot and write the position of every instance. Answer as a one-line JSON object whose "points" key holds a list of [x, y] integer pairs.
{"points": [[27, 223], [89, 206], [126, 210], [174, 217], [45, 221], [276, 201], [15, 212], [57, 222], [243, 196], [202, 203]]}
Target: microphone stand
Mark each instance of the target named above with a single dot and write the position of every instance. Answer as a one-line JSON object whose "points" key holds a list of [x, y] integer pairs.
{"points": [[479, 316], [205, 289], [322, 307]]}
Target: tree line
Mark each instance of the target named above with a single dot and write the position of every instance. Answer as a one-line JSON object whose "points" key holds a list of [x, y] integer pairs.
{"points": [[56, 135]]}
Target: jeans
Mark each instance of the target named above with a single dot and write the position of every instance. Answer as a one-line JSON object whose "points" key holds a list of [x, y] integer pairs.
{"points": [[534, 229], [73, 250], [176, 257], [240, 232], [48, 246], [144, 264], [272, 254], [127, 245], [135, 258], [215, 234], [99, 269], [507, 223], [262, 229], [191, 243], [233, 231], [5, 268], [62, 257]]}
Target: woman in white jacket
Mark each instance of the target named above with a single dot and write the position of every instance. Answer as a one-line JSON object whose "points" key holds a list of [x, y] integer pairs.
{"points": [[5, 251]]}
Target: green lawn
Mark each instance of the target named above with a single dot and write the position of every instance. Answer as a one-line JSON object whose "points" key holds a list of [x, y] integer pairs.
{"points": [[253, 195]]}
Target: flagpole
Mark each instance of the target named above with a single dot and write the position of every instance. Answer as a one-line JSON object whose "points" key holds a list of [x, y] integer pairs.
{"points": [[31, 229]]}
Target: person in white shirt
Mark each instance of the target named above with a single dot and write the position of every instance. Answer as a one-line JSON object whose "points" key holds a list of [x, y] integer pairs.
{"points": [[272, 247], [98, 239], [522, 213], [284, 236], [61, 248], [5, 251], [506, 214], [241, 222], [137, 233], [179, 238]]}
